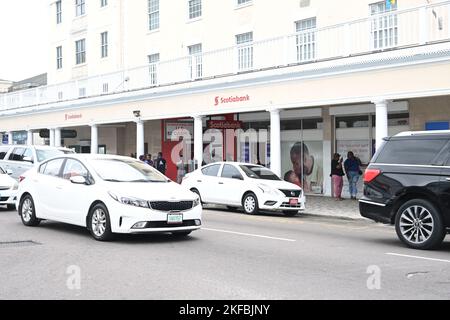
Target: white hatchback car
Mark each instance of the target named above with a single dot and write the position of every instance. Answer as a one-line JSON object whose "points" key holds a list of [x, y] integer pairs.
{"points": [[251, 187], [107, 194], [8, 189]]}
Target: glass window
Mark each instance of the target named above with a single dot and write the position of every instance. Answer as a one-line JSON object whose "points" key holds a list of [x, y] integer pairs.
{"points": [[256, 172], [212, 170], [306, 39], [153, 61], [153, 14], [74, 168], [195, 61], [352, 122], [195, 9], [80, 7], [241, 2], [53, 167], [104, 47], [58, 12], [245, 51], [103, 3], [420, 151], [80, 51], [2, 171], [28, 154], [59, 58], [230, 172], [3, 152], [17, 154], [44, 154], [126, 171], [384, 28]]}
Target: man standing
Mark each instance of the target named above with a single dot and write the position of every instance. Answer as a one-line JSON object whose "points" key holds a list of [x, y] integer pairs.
{"points": [[161, 163], [353, 171]]}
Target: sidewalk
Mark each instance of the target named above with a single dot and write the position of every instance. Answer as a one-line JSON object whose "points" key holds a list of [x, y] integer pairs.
{"points": [[325, 206]]}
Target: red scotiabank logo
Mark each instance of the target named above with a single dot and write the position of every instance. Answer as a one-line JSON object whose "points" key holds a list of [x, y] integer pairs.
{"points": [[72, 116], [233, 99]]}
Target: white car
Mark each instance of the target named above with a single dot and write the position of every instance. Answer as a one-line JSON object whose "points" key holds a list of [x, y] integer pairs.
{"points": [[251, 187], [8, 189], [107, 194]]}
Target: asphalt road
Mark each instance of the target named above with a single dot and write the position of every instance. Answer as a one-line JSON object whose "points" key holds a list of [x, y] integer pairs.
{"points": [[234, 256]]}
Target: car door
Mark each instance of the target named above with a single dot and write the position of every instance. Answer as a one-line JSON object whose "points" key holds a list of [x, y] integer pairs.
{"points": [[230, 185], [46, 194], [207, 182], [73, 200], [444, 193], [15, 162]]}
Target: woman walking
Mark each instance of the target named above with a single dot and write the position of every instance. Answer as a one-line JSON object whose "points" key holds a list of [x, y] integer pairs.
{"points": [[353, 170], [337, 174]]}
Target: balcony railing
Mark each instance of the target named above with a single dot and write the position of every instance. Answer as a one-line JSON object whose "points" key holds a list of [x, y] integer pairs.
{"points": [[387, 31]]}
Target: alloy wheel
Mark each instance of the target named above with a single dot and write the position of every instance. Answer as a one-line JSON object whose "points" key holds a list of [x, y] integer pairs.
{"points": [[98, 222], [27, 210], [416, 224]]}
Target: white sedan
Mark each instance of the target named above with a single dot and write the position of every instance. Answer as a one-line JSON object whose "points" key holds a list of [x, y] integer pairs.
{"points": [[8, 189], [107, 194], [245, 185]]}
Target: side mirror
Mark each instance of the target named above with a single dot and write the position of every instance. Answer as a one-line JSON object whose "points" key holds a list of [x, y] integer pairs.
{"points": [[9, 172], [78, 180], [28, 159], [237, 177]]}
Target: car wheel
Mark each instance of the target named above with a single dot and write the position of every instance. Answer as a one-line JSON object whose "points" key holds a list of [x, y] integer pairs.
{"points": [[250, 204], [290, 213], [181, 234], [198, 193], [11, 207], [419, 225], [99, 223], [28, 212]]}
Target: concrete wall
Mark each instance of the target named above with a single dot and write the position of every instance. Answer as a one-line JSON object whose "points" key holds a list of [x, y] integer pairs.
{"points": [[428, 110]]}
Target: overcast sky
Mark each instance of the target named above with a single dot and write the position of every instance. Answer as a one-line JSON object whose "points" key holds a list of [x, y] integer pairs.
{"points": [[23, 38]]}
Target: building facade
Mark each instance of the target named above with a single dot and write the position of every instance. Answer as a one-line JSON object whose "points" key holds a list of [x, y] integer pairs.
{"points": [[284, 84]]}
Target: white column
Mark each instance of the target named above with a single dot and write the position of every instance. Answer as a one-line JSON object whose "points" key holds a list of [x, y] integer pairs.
{"points": [[30, 141], [198, 140], [58, 137], [52, 137], [381, 124], [10, 137], [94, 139], [140, 138], [275, 141]]}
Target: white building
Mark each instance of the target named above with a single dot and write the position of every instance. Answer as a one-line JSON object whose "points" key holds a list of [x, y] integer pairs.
{"points": [[336, 76]]}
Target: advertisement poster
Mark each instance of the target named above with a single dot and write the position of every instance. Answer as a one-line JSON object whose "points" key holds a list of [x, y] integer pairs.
{"points": [[308, 156]]}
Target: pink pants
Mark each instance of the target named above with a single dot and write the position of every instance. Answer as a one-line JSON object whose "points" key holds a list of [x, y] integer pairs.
{"points": [[338, 183]]}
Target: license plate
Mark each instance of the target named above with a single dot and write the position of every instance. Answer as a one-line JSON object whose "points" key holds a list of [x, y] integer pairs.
{"points": [[293, 202], [174, 218]]}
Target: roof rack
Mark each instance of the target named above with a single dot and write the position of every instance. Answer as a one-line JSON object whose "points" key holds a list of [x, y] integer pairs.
{"points": [[422, 133]]}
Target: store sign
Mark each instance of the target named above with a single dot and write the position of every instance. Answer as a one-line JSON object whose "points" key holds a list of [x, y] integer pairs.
{"points": [[176, 129], [232, 99], [65, 134], [224, 124], [69, 116]]}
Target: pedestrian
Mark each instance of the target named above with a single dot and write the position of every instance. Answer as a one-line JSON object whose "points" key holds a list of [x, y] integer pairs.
{"points": [[353, 171], [337, 174], [181, 170], [161, 163], [142, 158], [148, 160]]}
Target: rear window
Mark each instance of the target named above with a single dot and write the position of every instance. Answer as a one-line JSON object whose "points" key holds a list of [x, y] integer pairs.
{"points": [[3, 152], [414, 152], [44, 154], [212, 170]]}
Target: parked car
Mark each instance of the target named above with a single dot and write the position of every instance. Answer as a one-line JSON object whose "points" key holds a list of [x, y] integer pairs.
{"points": [[251, 187], [20, 158], [8, 190], [407, 184], [107, 194]]}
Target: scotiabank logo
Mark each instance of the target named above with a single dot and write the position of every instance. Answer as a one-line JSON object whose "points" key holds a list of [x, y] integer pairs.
{"points": [[72, 116], [233, 99]]}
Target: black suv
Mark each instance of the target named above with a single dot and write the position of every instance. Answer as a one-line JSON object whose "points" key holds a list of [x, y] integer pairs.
{"points": [[408, 184]]}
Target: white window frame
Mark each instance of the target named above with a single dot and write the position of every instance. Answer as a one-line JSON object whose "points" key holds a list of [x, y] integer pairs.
{"points": [[306, 39], [80, 8], [195, 9], [104, 44], [383, 26], [103, 3], [58, 5], [153, 15], [195, 61], [153, 66], [80, 51], [59, 58], [244, 47]]}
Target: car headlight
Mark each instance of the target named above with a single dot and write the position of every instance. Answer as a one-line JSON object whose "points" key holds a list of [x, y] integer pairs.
{"points": [[268, 190], [15, 186], [130, 201], [196, 203]]}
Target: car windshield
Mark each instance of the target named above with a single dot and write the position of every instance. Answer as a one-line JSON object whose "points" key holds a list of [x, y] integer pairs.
{"points": [[262, 173], [115, 170], [44, 154]]}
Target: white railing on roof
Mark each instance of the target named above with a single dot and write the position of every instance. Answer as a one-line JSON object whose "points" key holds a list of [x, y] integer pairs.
{"points": [[387, 31]]}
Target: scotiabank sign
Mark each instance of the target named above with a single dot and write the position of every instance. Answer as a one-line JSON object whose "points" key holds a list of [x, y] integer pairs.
{"points": [[72, 116], [224, 124], [233, 99]]}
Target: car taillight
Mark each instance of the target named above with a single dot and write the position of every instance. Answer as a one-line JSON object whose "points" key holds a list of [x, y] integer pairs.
{"points": [[21, 178], [371, 174]]}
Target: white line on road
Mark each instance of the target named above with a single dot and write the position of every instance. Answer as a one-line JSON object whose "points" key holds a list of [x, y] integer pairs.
{"points": [[417, 257], [249, 235]]}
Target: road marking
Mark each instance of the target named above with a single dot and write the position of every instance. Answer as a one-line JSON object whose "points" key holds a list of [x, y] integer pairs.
{"points": [[417, 257], [249, 235]]}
